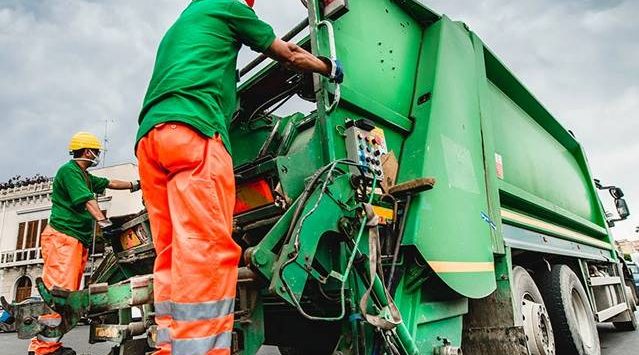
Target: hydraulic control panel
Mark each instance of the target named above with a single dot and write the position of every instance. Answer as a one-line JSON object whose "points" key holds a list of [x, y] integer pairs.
{"points": [[366, 145]]}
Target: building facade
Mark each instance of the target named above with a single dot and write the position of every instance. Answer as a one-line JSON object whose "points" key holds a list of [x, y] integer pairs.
{"points": [[24, 213], [628, 246]]}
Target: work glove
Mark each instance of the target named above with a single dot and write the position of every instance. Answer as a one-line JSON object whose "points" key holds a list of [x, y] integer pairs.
{"points": [[111, 232], [135, 186], [104, 223], [337, 70]]}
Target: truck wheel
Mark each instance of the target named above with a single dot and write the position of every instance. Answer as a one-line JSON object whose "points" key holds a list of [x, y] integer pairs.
{"points": [[632, 323], [530, 308], [570, 313]]}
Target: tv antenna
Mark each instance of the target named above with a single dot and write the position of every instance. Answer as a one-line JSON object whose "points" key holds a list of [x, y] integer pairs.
{"points": [[106, 140]]}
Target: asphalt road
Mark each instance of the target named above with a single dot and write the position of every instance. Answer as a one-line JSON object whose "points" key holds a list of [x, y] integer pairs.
{"points": [[613, 342]]}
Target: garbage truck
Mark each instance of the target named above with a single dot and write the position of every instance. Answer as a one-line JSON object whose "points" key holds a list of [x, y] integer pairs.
{"points": [[430, 204]]}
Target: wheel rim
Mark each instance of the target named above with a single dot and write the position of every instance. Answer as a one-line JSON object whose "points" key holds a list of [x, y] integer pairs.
{"points": [[537, 328], [583, 320]]}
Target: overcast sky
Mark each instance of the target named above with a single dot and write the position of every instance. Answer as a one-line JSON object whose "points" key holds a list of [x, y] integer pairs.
{"points": [[69, 65]]}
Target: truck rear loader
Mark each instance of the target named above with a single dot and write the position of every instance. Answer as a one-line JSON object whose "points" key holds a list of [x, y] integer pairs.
{"points": [[427, 205]]}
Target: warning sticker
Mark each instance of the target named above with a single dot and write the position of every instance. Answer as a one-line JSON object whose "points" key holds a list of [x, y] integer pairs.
{"points": [[499, 165]]}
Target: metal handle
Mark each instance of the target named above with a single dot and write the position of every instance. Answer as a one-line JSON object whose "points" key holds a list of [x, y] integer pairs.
{"points": [[333, 56]]}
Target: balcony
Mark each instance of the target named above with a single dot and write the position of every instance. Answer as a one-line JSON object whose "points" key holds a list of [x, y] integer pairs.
{"points": [[20, 257]]}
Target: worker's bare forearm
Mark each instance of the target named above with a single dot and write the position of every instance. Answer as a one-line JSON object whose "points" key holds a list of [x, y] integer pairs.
{"points": [[297, 57], [94, 209], [120, 185]]}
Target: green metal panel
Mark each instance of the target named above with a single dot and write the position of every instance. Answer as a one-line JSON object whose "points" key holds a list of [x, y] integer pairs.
{"points": [[380, 42], [535, 161], [445, 224], [485, 112]]}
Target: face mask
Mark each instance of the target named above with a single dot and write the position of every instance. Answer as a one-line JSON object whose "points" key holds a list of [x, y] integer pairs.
{"points": [[94, 162], [96, 159]]}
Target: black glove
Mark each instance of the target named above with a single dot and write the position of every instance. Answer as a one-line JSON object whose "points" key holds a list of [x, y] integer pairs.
{"points": [[111, 232], [337, 70]]}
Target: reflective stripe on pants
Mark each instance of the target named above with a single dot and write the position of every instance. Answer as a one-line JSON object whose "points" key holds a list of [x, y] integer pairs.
{"points": [[64, 261], [189, 190]]}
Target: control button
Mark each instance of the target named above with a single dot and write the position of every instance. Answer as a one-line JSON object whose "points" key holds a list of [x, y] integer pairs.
{"points": [[374, 141], [359, 136], [368, 160], [368, 149], [377, 153], [361, 147]]}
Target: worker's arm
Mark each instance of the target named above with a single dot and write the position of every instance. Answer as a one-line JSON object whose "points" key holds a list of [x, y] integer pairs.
{"points": [[123, 185], [94, 209], [298, 58], [255, 33]]}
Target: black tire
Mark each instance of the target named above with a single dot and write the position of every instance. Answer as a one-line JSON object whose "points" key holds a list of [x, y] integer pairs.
{"points": [[524, 286], [570, 313], [538, 334]]}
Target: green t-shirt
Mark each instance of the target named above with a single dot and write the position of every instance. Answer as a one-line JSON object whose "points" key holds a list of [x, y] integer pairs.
{"points": [[194, 79], [72, 188]]}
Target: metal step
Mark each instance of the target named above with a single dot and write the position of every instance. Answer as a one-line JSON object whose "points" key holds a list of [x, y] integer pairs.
{"points": [[608, 313], [604, 280]]}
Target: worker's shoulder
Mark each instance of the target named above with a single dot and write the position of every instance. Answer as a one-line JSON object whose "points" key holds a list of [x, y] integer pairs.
{"points": [[213, 5], [216, 7], [70, 167]]}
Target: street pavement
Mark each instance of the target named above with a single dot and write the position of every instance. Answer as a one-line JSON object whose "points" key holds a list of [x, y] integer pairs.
{"points": [[613, 342]]}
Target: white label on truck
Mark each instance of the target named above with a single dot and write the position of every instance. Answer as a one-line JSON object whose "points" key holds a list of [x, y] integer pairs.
{"points": [[459, 166], [499, 165]]}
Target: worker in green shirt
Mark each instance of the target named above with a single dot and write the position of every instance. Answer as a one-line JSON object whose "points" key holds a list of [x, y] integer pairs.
{"points": [[186, 169], [69, 234]]}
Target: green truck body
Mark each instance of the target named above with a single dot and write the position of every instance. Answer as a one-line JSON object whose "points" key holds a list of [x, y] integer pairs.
{"points": [[477, 183]]}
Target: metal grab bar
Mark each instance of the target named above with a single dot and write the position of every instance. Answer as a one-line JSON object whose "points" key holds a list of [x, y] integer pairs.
{"points": [[333, 55]]}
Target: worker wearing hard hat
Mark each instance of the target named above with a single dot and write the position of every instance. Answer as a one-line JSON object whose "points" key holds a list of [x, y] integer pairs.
{"points": [[68, 235], [186, 169]]}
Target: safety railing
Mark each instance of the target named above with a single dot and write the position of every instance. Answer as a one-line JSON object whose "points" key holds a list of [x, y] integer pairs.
{"points": [[20, 257]]}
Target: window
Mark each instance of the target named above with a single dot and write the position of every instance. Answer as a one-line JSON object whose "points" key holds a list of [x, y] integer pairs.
{"points": [[29, 238], [32, 238], [23, 289], [20, 235]]}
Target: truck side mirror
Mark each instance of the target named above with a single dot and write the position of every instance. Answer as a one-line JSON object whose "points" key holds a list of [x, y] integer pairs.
{"points": [[616, 193], [622, 208], [620, 203]]}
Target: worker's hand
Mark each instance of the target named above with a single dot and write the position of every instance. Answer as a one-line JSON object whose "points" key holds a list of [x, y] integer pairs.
{"points": [[104, 223], [336, 74], [135, 186]]}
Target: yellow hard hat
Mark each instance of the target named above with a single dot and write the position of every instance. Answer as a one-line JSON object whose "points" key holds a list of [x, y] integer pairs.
{"points": [[84, 140]]}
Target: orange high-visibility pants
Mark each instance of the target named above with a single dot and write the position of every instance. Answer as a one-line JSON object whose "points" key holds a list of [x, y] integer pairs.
{"points": [[64, 261], [189, 191]]}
